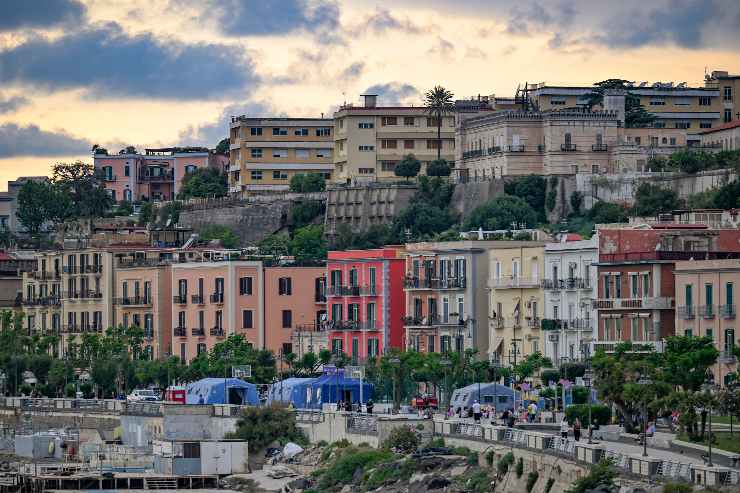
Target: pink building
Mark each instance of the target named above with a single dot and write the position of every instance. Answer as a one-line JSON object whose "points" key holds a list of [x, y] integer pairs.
{"points": [[365, 301], [155, 175]]}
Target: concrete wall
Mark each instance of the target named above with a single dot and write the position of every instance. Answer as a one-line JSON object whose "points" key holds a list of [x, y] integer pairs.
{"points": [[251, 222], [333, 427], [361, 206]]}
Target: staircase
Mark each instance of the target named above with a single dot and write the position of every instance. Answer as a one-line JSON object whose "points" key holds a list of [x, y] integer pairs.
{"points": [[160, 483]]}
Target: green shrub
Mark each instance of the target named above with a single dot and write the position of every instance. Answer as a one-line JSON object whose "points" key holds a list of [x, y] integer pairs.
{"points": [[403, 438], [343, 469], [473, 459], [531, 480], [461, 451], [322, 443], [261, 426], [490, 455], [601, 414], [343, 443], [391, 472], [548, 376], [437, 442], [519, 467], [503, 464], [677, 488], [548, 485], [602, 474], [580, 395], [307, 183]]}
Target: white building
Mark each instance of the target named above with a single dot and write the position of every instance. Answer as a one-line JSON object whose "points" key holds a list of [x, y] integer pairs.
{"points": [[570, 284]]}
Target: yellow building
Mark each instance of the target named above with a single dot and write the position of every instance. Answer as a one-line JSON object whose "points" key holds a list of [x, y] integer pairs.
{"points": [[729, 87], [370, 140], [265, 153], [516, 301]]}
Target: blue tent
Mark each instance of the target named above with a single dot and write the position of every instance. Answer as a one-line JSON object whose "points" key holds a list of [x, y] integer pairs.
{"points": [[489, 392], [295, 390], [336, 387], [214, 391]]}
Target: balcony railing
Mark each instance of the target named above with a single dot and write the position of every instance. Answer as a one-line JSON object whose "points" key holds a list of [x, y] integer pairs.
{"points": [[599, 147], [180, 299], [353, 325], [515, 148], [149, 334], [660, 303], [197, 299], [533, 323], [91, 269], [110, 178], [217, 331], [156, 178], [44, 275], [707, 312], [515, 282], [727, 356], [42, 301], [666, 255], [71, 269], [199, 331], [574, 324], [133, 301], [686, 312], [727, 311], [90, 295], [568, 147], [142, 262], [319, 297], [217, 298], [435, 283], [569, 283], [637, 346], [181, 332], [497, 322]]}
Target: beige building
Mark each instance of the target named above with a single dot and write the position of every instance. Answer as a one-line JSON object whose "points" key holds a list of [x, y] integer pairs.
{"points": [[265, 153], [729, 87], [705, 307], [516, 300], [725, 137], [370, 140]]}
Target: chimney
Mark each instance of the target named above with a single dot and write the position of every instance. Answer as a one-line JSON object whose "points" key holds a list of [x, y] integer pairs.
{"points": [[371, 100], [614, 101]]}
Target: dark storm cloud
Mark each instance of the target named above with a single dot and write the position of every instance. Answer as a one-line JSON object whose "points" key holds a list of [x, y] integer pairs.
{"points": [[112, 64], [393, 93], [12, 104], [30, 140], [40, 14], [210, 133]]}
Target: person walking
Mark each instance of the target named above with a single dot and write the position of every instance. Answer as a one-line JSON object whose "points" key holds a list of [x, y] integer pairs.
{"points": [[564, 428], [577, 430], [370, 406], [476, 411]]}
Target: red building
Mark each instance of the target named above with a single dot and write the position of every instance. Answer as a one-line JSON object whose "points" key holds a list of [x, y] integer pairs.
{"points": [[636, 284], [365, 301]]}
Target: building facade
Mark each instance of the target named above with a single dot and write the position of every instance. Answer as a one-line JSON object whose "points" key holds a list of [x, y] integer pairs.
{"points": [[569, 288], [446, 301], [706, 307], [725, 137], [516, 301], [265, 153], [370, 140], [365, 301], [728, 86]]}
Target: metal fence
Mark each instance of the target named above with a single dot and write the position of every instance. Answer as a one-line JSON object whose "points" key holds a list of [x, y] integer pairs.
{"points": [[364, 425]]}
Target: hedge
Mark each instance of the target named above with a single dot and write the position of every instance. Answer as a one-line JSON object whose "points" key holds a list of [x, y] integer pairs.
{"points": [[601, 414]]}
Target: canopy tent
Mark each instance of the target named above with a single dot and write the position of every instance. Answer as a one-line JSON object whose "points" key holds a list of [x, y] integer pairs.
{"points": [[295, 390], [336, 387], [222, 391], [489, 392]]}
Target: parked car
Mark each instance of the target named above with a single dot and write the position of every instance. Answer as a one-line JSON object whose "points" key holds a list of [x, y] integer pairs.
{"points": [[142, 395], [175, 394]]}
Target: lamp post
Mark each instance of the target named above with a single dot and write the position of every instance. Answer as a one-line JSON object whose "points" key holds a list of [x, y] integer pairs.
{"points": [[587, 379], [709, 389], [395, 360], [644, 381], [446, 363], [495, 366]]}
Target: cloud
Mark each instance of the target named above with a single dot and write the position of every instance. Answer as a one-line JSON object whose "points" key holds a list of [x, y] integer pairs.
{"points": [[352, 72], [383, 20], [108, 63], [12, 103], [29, 14], [395, 94], [444, 49], [30, 140], [239, 18], [210, 133]]}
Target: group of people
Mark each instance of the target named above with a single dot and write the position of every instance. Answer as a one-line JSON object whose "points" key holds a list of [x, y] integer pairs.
{"points": [[565, 428], [355, 407], [478, 412]]}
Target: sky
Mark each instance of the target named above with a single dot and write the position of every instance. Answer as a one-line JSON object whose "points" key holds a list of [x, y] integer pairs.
{"points": [[147, 73]]}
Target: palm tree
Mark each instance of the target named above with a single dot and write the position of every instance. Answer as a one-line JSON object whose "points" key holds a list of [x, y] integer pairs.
{"points": [[439, 102]]}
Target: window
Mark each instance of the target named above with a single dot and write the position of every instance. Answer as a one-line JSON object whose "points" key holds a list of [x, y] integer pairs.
{"points": [[688, 333], [285, 286], [672, 141], [408, 144], [341, 123], [255, 131], [256, 153], [201, 320], [664, 140], [657, 101], [654, 141], [279, 131], [618, 285], [709, 295], [353, 312], [279, 175], [353, 277], [705, 124], [409, 121], [430, 344], [366, 148], [323, 152], [127, 170], [388, 165], [433, 144], [607, 286], [191, 450], [372, 347], [371, 275], [432, 121], [705, 101], [245, 286], [247, 319], [635, 329], [336, 312], [557, 100], [323, 132], [683, 125], [219, 319], [367, 171], [181, 319], [302, 132], [709, 333], [633, 286], [689, 290], [638, 140], [256, 174], [389, 120], [336, 346], [301, 154], [366, 125], [183, 288], [280, 153], [218, 285], [659, 124], [727, 116], [727, 94], [389, 144], [729, 294]]}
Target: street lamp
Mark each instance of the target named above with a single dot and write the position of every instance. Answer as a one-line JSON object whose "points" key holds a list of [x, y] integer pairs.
{"points": [[644, 381], [495, 365], [587, 379], [709, 388], [395, 360], [446, 363]]}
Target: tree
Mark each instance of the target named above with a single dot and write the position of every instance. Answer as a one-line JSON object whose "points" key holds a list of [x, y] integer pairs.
{"points": [[303, 212], [728, 196], [146, 214], [653, 199], [260, 426], [277, 244], [438, 167], [687, 360], [204, 183], [308, 243], [307, 183], [503, 212], [408, 167], [601, 478], [82, 184], [439, 102], [226, 235], [635, 115], [33, 205], [532, 189], [576, 201], [128, 150], [223, 146], [607, 212]]}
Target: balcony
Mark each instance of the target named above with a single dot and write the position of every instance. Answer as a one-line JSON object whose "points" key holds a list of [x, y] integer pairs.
{"points": [[164, 177], [497, 322], [110, 178], [133, 301], [686, 312], [43, 275], [71, 269], [199, 331], [568, 147], [559, 324], [149, 334], [727, 311], [580, 324], [637, 346], [90, 295], [197, 299], [344, 290], [727, 356], [515, 282], [666, 255], [533, 322], [71, 295], [42, 301], [515, 148], [217, 298], [217, 331], [181, 332], [660, 303], [707, 312], [319, 297], [367, 325], [570, 283], [599, 147], [91, 269], [180, 299], [473, 154], [141, 262]]}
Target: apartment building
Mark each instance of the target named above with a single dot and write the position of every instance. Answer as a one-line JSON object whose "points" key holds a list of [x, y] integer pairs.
{"points": [[728, 86], [516, 300], [446, 298], [725, 137], [675, 106], [569, 287], [69, 294], [365, 301], [155, 175], [636, 285], [706, 307], [370, 140], [265, 153]]}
